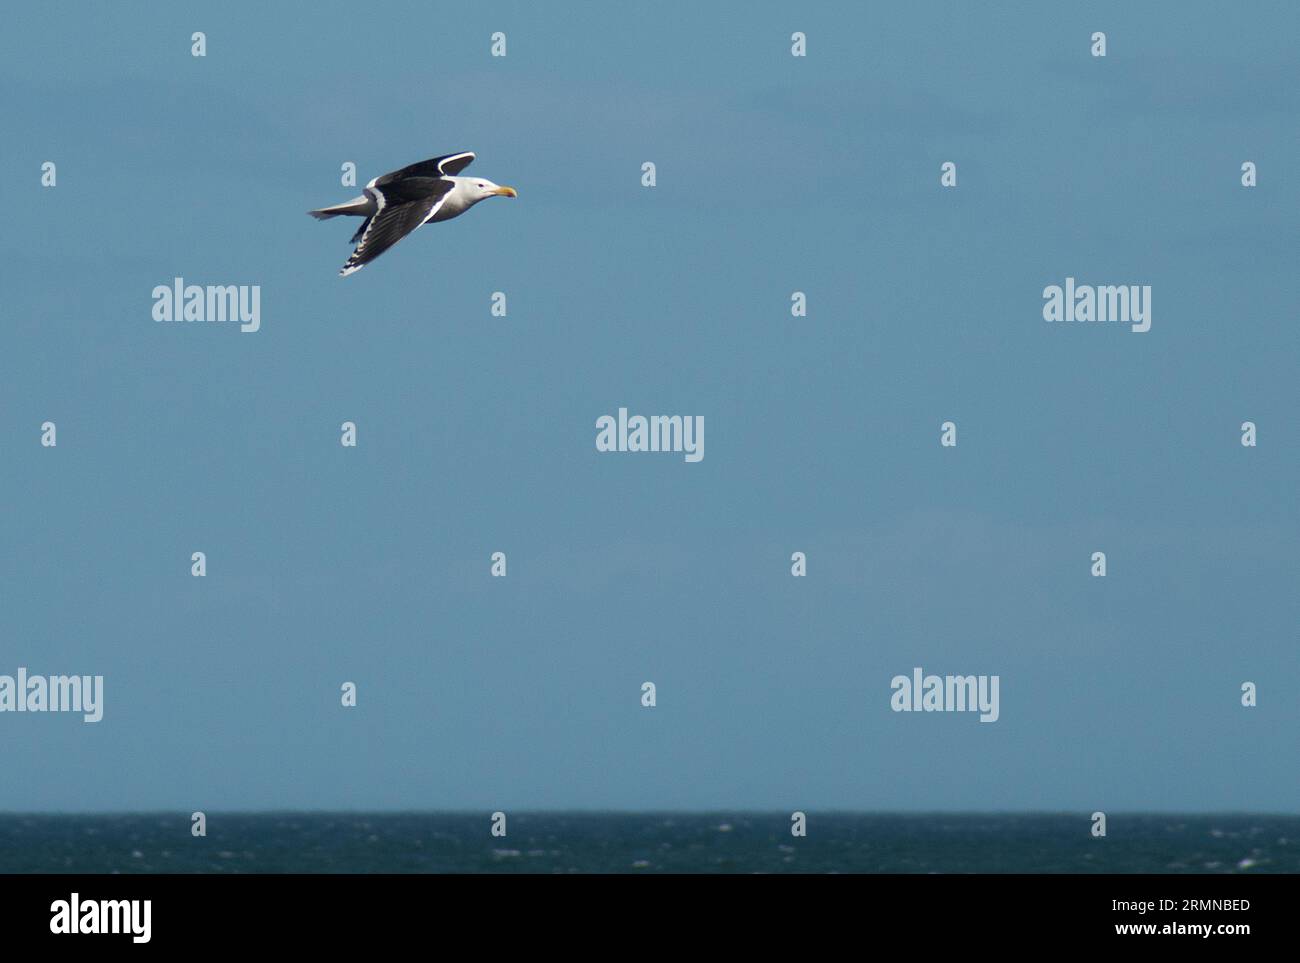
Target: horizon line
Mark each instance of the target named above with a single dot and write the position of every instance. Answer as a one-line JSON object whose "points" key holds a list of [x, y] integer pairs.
{"points": [[582, 811]]}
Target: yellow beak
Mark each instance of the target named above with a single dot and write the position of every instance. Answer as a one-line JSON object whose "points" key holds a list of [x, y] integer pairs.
{"points": [[506, 192]]}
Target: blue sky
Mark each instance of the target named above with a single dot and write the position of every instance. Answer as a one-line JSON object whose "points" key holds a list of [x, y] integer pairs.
{"points": [[775, 174]]}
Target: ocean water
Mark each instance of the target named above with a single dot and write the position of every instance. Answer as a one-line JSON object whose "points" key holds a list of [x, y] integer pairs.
{"points": [[648, 843]]}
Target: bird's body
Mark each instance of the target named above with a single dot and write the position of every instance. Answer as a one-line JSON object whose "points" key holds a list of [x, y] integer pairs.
{"points": [[395, 204]]}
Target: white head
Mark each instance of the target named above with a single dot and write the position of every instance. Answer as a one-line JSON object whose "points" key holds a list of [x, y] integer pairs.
{"points": [[475, 189]]}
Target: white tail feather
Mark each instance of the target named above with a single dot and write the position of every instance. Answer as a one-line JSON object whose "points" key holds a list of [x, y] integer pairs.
{"points": [[357, 207]]}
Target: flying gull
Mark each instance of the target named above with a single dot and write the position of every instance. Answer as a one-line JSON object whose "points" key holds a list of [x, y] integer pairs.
{"points": [[396, 204]]}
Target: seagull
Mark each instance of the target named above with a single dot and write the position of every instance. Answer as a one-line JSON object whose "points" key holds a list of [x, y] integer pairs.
{"points": [[396, 204]]}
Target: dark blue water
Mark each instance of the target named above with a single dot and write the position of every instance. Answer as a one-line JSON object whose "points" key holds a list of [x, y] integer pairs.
{"points": [[648, 843]]}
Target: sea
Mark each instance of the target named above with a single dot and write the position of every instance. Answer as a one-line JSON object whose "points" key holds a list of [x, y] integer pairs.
{"points": [[592, 842]]}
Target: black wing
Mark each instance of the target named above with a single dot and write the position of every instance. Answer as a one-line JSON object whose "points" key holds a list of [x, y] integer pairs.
{"points": [[448, 164], [403, 207]]}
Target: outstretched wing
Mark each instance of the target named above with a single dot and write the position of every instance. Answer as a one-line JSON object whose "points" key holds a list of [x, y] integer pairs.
{"points": [[402, 207], [448, 165], [453, 164]]}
